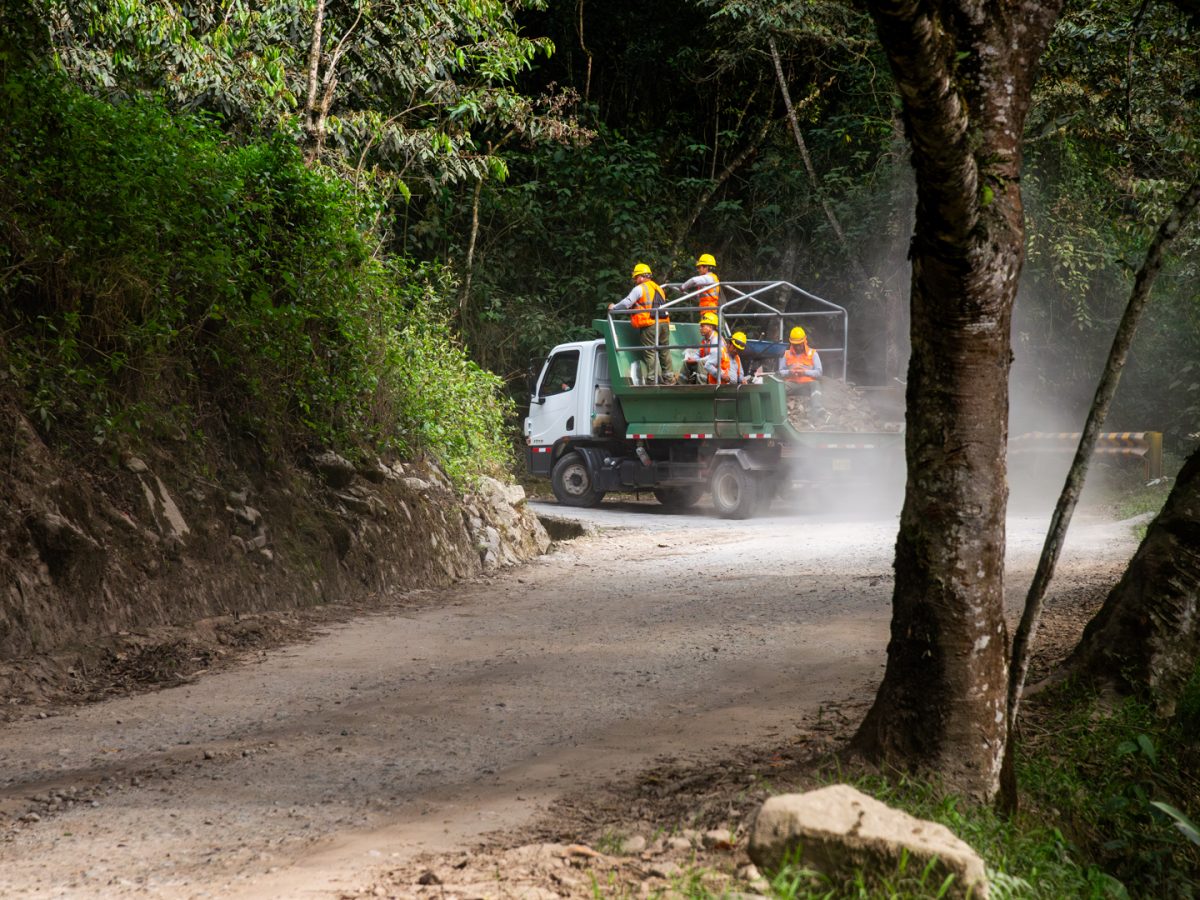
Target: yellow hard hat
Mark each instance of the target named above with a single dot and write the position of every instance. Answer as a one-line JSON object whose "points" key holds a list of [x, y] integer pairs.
{"points": [[640, 269], [798, 336], [706, 259], [709, 318], [738, 339]]}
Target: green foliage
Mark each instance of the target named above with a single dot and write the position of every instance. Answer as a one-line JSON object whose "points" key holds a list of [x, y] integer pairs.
{"points": [[152, 269], [575, 222], [1112, 139], [1104, 774], [402, 84]]}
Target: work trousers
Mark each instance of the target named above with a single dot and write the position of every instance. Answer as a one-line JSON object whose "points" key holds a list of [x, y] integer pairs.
{"points": [[657, 363]]}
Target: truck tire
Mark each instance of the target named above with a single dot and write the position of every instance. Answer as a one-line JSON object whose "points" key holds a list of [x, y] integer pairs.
{"points": [[571, 480], [734, 491], [679, 497]]}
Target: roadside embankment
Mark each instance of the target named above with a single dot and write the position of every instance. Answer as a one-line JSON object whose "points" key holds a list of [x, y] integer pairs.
{"points": [[171, 536]]}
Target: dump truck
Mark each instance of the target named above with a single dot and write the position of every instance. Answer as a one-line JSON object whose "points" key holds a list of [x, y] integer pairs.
{"points": [[596, 425]]}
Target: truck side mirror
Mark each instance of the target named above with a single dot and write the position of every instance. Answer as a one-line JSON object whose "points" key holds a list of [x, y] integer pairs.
{"points": [[536, 365]]}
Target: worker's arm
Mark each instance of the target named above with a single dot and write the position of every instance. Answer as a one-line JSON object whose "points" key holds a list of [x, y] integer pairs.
{"points": [[712, 363], [814, 371], [628, 300], [782, 368]]}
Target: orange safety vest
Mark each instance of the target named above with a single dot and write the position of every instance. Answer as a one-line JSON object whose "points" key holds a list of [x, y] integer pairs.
{"points": [[796, 361], [643, 319], [727, 360], [711, 296]]}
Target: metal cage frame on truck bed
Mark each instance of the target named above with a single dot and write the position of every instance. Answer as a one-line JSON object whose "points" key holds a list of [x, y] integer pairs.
{"points": [[749, 303]]}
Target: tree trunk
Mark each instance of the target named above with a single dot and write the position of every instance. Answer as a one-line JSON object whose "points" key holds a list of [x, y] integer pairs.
{"points": [[965, 75], [1146, 637]]}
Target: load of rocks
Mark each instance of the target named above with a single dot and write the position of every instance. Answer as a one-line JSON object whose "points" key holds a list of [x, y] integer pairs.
{"points": [[845, 408]]}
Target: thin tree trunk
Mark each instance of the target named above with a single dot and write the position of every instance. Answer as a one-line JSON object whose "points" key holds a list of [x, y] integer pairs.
{"points": [[314, 71], [709, 192], [1073, 486], [587, 83], [470, 262], [813, 178]]}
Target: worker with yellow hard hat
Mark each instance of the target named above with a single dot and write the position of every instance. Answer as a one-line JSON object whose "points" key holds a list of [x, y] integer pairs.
{"points": [[724, 363], [706, 281], [653, 325], [693, 358], [800, 367]]}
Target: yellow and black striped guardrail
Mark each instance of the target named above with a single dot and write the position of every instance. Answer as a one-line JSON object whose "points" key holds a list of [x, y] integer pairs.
{"points": [[1146, 445]]}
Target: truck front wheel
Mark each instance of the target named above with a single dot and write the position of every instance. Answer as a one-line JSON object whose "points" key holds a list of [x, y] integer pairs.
{"points": [[571, 480], [734, 491]]}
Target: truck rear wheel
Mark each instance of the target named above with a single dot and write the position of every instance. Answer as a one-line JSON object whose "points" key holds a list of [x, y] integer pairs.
{"points": [[734, 491], [679, 497], [571, 480]]}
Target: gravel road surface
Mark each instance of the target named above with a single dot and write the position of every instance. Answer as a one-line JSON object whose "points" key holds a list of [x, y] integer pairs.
{"points": [[464, 711]]}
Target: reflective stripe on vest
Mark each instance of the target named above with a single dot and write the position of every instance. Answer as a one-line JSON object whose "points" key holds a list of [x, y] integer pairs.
{"points": [[711, 296], [644, 319], [796, 361]]}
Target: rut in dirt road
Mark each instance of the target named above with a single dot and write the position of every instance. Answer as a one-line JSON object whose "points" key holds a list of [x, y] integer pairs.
{"points": [[424, 727]]}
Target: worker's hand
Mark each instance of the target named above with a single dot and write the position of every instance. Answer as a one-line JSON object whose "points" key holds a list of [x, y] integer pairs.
{"points": [[758, 372]]}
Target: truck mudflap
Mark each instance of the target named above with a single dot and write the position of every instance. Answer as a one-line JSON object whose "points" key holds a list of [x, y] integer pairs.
{"points": [[539, 460]]}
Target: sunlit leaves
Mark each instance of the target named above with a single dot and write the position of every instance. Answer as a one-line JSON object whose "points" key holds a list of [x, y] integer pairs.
{"points": [[411, 82]]}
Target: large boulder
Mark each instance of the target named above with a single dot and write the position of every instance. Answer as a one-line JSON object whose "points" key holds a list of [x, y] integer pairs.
{"points": [[837, 830]]}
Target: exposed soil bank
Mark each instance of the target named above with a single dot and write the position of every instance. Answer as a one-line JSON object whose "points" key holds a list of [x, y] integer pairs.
{"points": [[103, 562]]}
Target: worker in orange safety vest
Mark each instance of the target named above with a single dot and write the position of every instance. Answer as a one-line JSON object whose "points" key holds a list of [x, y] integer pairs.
{"points": [[800, 367], [723, 366], [693, 359], [653, 325], [705, 277]]}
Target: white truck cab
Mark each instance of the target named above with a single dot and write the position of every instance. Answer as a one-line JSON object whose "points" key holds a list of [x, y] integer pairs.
{"points": [[570, 396]]}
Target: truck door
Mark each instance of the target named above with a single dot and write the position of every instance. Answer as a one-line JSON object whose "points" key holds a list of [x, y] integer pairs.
{"points": [[553, 409]]}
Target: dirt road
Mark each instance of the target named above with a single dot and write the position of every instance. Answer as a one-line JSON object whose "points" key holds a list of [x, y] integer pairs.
{"points": [[465, 711]]}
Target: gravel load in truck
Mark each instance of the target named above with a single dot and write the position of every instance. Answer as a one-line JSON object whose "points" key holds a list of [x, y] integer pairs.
{"points": [[846, 408]]}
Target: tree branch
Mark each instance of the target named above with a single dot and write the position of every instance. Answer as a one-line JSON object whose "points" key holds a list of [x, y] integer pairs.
{"points": [[813, 178]]}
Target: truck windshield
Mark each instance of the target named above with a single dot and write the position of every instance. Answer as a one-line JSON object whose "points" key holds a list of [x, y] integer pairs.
{"points": [[560, 373]]}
